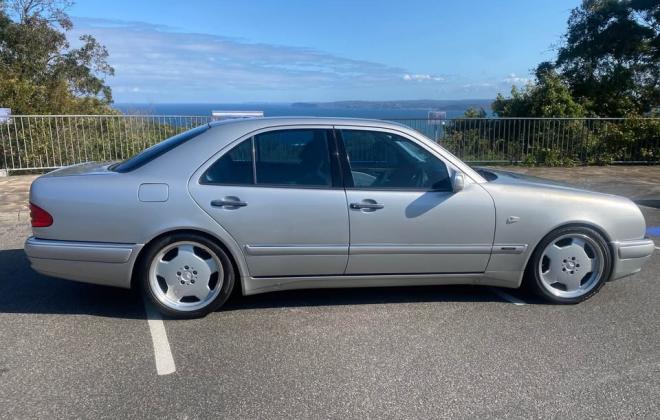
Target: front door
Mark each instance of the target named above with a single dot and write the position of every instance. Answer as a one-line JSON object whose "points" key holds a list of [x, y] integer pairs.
{"points": [[404, 217], [278, 195]]}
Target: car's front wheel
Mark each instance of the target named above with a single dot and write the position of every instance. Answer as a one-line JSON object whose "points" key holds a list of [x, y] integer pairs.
{"points": [[186, 275], [570, 265]]}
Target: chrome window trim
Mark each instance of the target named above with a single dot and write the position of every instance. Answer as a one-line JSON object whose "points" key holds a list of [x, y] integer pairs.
{"points": [[199, 172]]}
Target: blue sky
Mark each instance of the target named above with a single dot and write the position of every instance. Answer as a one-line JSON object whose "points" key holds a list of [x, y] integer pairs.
{"points": [[294, 50]]}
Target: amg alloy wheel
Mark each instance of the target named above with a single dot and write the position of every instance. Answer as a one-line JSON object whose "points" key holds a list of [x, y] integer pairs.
{"points": [[570, 265], [186, 276]]}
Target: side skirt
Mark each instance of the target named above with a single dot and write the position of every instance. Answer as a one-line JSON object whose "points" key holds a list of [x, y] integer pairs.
{"points": [[253, 286]]}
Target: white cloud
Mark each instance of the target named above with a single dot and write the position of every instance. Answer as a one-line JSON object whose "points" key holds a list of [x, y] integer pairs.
{"points": [[155, 63], [422, 78], [513, 79], [477, 85], [181, 66]]}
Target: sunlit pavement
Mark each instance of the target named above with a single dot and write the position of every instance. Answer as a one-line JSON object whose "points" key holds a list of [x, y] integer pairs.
{"points": [[76, 350]]}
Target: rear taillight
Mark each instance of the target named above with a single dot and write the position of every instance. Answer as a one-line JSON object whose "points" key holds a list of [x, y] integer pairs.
{"points": [[40, 217]]}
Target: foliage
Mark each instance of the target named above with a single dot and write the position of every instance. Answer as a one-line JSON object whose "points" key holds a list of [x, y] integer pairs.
{"points": [[611, 54], [631, 139], [40, 73], [473, 112], [607, 66], [552, 141], [549, 96]]}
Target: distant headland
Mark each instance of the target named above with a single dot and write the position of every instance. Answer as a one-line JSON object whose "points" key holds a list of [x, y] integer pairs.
{"points": [[429, 104]]}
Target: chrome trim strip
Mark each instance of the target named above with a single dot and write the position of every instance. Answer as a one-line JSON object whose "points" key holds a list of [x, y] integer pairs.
{"points": [[509, 249], [272, 250], [634, 249], [388, 249], [78, 251], [419, 249]]}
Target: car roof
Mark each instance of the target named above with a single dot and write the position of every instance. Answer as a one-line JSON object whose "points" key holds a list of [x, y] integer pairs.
{"points": [[265, 122]]}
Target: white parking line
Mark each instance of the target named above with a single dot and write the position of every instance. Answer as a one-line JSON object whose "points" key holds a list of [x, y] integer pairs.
{"points": [[657, 247], [162, 352], [508, 297]]}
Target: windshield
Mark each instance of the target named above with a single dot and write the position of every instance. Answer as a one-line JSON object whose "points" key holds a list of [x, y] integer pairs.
{"points": [[156, 150]]}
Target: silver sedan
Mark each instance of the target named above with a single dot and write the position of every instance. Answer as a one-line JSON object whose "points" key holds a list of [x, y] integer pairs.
{"points": [[286, 203]]}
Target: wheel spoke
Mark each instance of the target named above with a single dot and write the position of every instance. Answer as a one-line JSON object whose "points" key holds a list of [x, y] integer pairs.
{"points": [[201, 292], [211, 265], [187, 257], [572, 283], [167, 270], [174, 292], [587, 265], [550, 276], [553, 252], [577, 249], [186, 249]]}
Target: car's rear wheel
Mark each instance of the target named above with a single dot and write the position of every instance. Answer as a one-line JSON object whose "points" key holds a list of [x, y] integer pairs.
{"points": [[186, 275], [570, 265]]}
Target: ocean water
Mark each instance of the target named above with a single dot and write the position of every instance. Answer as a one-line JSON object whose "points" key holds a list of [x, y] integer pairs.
{"points": [[453, 110]]}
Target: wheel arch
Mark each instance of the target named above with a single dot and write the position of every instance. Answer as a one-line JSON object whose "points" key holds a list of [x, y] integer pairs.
{"points": [[232, 258]]}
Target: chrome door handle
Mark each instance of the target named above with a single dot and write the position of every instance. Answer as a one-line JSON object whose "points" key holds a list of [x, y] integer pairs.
{"points": [[228, 202], [366, 206]]}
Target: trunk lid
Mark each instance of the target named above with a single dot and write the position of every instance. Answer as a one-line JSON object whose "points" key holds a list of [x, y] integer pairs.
{"points": [[88, 168]]}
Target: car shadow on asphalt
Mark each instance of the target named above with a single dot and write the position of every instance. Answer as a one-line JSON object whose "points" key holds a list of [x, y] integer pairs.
{"points": [[22, 290], [649, 203], [361, 296]]}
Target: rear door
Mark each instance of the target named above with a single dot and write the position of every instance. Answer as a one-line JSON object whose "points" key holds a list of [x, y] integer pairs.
{"points": [[279, 195], [404, 216]]}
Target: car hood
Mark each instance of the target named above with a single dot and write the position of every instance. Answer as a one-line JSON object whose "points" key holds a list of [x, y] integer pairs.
{"points": [[497, 176]]}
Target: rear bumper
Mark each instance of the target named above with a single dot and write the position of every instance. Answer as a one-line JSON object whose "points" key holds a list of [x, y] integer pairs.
{"points": [[630, 256], [108, 264]]}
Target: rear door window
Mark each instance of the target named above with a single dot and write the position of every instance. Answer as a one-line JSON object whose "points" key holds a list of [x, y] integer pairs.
{"points": [[295, 157]]}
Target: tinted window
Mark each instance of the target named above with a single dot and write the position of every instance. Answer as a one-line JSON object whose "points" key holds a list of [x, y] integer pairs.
{"points": [[234, 167], [381, 160], [293, 157], [156, 150]]}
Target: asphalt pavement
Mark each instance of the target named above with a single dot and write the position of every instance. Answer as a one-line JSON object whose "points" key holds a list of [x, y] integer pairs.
{"points": [[75, 350]]}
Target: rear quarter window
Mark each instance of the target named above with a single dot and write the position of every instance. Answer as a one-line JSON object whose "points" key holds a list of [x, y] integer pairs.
{"points": [[158, 149]]}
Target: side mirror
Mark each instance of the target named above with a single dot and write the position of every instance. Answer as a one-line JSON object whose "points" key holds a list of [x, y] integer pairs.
{"points": [[457, 182]]}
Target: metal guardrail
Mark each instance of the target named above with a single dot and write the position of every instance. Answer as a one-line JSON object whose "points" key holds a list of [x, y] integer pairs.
{"points": [[40, 142], [547, 141]]}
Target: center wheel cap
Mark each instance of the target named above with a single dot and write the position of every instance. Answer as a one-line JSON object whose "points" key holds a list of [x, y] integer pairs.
{"points": [[186, 276]]}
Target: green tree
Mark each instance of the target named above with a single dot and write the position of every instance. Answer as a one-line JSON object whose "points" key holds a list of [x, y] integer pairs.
{"points": [[473, 112], [40, 73], [611, 56], [548, 96]]}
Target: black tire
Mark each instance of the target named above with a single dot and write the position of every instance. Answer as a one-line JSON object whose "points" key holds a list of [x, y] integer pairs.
{"points": [[153, 250], [533, 276]]}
